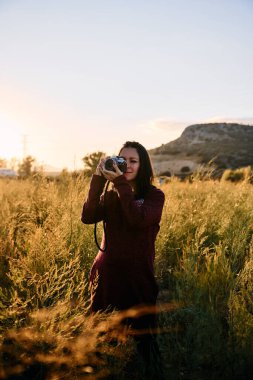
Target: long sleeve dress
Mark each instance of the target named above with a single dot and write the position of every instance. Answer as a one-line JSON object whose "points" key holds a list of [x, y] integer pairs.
{"points": [[123, 275]]}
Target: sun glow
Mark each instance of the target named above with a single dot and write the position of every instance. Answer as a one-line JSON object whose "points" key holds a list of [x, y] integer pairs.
{"points": [[11, 139]]}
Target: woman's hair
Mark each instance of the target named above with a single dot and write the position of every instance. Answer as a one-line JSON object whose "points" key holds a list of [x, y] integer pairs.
{"points": [[145, 174]]}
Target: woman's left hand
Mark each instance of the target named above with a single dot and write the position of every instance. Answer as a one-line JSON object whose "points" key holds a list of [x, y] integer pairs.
{"points": [[111, 175]]}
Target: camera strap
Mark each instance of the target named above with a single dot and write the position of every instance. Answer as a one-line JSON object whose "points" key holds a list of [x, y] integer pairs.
{"points": [[95, 225]]}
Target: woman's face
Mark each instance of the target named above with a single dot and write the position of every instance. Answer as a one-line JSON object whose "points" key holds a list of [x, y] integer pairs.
{"points": [[133, 163]]}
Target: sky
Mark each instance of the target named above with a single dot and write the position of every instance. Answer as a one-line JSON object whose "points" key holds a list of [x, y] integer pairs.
{"points": [[81, 76]]}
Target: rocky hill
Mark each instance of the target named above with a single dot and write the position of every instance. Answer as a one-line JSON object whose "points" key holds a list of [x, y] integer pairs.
{"points": [[228, 145]]}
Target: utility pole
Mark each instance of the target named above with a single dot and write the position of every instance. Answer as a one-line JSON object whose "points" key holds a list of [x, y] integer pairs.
{"points": [[24, 146]]}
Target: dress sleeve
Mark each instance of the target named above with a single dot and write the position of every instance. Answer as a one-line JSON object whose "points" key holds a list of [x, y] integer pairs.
{"points": [[93, 208], [139, 214]]}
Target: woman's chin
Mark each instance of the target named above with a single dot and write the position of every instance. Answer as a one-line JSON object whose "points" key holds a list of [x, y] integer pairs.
{"points": [[128, 176]]}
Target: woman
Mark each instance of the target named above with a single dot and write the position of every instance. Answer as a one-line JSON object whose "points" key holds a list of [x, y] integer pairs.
{"points": [[123, 275]]}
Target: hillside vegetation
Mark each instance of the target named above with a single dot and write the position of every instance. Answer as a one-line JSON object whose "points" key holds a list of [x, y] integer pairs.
{"points": [[227, 145], [204, 267]]}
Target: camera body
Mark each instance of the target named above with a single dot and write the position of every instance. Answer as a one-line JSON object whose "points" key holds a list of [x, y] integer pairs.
{"points": [[119, 161]]}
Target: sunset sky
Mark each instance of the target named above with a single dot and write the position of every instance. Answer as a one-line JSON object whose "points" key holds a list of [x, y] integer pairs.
{"points": [[81, 76]]}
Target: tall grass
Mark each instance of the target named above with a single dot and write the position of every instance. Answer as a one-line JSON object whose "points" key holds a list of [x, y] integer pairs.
{"points": [[204, 265], [204, 260]]}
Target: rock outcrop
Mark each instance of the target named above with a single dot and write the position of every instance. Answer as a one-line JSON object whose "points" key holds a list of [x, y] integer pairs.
{"points": [[227, 145]]}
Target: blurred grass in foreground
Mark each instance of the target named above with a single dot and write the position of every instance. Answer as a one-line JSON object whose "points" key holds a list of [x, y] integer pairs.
{"points": [[204, 266]]}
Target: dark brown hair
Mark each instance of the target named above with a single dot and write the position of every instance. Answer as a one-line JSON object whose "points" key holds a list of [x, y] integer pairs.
{"points": [[145, 174]]}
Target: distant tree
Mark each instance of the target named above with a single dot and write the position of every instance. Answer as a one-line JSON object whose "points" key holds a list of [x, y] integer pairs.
{"points": [[3, 163], [167, 173], [185, 169], [25, 167], [238, 175], [91, 162]]}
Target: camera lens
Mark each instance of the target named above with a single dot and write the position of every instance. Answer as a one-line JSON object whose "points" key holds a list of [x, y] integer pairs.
{"points": [[109, 164]]}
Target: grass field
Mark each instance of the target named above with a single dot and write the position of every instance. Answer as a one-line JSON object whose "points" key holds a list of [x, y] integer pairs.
{"points": [[204, 267]]}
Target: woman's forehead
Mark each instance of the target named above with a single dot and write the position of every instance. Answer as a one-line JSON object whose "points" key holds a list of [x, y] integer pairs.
{"points": [[129, 152]]}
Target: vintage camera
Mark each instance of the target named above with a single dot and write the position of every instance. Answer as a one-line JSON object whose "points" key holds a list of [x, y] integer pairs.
{"points": [[119, 161]]}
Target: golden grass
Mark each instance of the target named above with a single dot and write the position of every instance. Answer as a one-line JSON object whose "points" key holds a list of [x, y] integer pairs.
{"points": [[204, 266]]}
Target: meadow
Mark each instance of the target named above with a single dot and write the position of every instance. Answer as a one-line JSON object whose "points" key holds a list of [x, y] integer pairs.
{"points": [[204, 268]]}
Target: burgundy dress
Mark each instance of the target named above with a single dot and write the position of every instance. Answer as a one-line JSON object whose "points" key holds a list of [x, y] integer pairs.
{"points": [[126, 269]]}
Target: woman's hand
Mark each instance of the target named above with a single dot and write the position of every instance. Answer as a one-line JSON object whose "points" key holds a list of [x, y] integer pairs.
{"points": [[109, 174], [100, 167]]}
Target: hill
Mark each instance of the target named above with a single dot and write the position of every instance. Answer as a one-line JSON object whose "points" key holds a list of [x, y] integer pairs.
{"points": [[228, 145]]}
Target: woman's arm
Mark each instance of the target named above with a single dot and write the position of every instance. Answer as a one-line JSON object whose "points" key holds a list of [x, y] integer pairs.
{"points": [[139, 214], [93, 209]]}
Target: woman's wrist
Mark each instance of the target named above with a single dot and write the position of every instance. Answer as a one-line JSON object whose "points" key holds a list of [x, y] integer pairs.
{"points": [[98, 172]]}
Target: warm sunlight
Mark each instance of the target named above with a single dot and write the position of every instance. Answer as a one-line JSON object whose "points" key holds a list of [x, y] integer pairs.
{"points": [[146, 71], [11, 141]]}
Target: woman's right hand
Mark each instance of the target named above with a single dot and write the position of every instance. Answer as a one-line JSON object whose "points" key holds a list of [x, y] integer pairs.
{"points": [[100, 167]]}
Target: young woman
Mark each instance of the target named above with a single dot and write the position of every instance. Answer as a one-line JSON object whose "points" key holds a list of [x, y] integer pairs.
{"points": [[123, 275]]}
